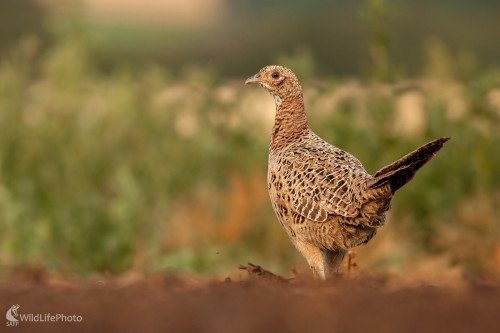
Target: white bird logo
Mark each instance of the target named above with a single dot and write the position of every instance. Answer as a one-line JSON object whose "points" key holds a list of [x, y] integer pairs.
{"points": [[12, 313]]}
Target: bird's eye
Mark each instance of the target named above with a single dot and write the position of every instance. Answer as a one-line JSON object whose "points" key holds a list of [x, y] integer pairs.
{"points": [[275, 75]]}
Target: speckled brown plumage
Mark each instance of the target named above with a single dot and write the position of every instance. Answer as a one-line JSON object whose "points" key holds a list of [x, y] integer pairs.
{"points": [[323, 197]]}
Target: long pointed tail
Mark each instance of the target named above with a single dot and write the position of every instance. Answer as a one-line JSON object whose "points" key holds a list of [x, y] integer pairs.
{"points": [[402, 171]]}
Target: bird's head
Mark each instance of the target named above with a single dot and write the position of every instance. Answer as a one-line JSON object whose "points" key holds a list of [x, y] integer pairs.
{"points": [[278, 80]]}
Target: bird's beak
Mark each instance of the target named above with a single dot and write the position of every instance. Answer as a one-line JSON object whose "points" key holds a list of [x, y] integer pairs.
{"points": [[253, 79]]}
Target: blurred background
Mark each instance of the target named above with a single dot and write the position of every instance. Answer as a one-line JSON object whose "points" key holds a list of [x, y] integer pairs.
{"points": [[128, 142]]}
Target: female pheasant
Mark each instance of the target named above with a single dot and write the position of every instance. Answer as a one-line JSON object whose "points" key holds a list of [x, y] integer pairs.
{"points": [[323, 197]]}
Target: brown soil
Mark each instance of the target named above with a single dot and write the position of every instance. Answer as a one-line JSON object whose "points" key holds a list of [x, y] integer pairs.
{"points": [[261, 302]]}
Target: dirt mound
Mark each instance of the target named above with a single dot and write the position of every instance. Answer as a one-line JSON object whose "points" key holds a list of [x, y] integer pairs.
{"points": [[259, 303]]}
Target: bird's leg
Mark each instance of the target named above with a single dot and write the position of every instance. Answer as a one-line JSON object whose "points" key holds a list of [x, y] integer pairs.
{"points": [[332, 261], [314, 257], [351, 265]]}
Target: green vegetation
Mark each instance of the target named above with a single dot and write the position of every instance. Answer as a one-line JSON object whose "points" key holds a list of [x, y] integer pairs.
{"points": [[137, 169]]}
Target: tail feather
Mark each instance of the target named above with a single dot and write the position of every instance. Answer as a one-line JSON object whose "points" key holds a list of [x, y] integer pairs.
{"points": [[402, 171]]}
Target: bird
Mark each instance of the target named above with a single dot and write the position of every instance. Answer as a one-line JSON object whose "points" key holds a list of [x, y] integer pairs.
{"points": [[322, 196]]}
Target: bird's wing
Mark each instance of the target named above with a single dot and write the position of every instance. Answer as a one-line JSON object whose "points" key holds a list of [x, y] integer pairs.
{"points": [[323, 181]]}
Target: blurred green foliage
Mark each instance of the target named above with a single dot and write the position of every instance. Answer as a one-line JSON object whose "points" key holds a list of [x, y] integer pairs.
{"points": [[137, 168], [383, 38]]}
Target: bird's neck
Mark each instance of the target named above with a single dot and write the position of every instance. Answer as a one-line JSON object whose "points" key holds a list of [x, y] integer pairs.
{"points": [[290, 121]]}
